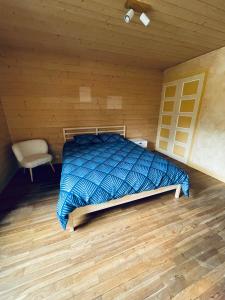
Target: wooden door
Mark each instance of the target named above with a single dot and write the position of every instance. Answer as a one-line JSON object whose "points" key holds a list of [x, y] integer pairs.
{"points": [[177, 118]]}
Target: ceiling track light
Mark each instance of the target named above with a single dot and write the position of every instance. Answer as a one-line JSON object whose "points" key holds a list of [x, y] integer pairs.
{"points": [[129, 15], [144, 19], [139, 7]]}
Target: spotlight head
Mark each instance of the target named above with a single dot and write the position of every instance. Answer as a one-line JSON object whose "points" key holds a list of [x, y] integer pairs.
{"points": [[129, 15], [144, 19]]}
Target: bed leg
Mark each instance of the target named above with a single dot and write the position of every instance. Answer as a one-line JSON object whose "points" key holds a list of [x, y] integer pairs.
{"points": [[70, 223], [177, 192], [71, 229], [76, 219]]}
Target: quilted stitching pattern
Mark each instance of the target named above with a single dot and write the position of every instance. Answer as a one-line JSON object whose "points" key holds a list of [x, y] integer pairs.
{"points": [[84, 139], [100, 172], [110, 137]]}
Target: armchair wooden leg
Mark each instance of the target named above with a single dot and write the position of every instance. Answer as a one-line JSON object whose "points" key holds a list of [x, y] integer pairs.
{"points": [[31, 175], [53, 169]]}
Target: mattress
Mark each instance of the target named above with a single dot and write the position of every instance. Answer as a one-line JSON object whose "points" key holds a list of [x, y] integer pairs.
{"points": [[97, 173]]}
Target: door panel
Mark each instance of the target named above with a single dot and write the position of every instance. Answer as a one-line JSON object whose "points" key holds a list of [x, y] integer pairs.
{"points": [[170, 91], [166, 120], [165, 133], [179, 150], [184, 122], [187, 105], [181, 136], [168, 106], [163, 145], [178, 112], [190, 88]]}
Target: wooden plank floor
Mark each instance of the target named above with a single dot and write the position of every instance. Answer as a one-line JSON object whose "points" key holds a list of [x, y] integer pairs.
{"points": [[157, 248]]}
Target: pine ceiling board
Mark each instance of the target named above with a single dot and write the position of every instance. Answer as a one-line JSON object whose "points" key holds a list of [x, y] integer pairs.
{"points": [[187, 19], [71, 22], [182, 16], [220, 4], [112, 37], [94, 36], [88, 21], [180, 22], [93, 40], [100, 56], [209, 10], [180, 29], [191, 11], [79, 43]]}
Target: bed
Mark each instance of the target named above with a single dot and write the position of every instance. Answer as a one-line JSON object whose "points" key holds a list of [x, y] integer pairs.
{"points": [[101, 169]]}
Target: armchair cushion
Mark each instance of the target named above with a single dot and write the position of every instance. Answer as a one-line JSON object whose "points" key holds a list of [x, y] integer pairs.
{"points": [[35, 160], [30, 147]]}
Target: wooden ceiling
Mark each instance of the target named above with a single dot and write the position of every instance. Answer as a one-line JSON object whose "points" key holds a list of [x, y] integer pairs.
{"points": [[179, 30]]}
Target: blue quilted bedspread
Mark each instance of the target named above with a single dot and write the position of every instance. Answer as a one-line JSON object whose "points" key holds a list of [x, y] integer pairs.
{"points": [[100, 172]]}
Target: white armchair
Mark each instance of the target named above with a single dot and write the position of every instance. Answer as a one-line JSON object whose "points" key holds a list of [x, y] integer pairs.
{"points": [[32, 153]]}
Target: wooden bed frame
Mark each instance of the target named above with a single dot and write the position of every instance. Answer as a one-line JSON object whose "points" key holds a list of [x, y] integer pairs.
{"points": [[77, 216], [68, 133]]}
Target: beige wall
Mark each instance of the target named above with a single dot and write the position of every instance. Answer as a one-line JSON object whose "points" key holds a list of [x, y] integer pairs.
{"points": [[7, 162], [43, 93], [208, 150]]}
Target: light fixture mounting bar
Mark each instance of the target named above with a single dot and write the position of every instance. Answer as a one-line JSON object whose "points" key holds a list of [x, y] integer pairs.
{"points": [[138, 6]]}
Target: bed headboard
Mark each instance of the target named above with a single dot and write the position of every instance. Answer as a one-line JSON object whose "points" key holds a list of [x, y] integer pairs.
{"points": [[68, 133]]}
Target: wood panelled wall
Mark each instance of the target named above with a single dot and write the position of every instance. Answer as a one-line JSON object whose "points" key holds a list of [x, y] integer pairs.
{"points": [[7, 161], [43, 93]]}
